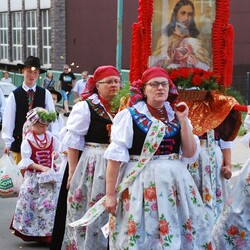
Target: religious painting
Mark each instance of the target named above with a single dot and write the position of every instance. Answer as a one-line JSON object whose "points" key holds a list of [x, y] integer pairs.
{"points": [[182, 34]]}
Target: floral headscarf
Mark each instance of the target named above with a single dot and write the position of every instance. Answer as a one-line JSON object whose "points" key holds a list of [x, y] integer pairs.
{"points": [[99, 74], [136, 88], [41, 115], [37, 114]]}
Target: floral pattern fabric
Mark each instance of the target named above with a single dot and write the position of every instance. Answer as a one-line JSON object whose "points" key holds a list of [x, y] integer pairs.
{"points": [[152, 141], [86, 188], [161, 209], [206, 172], [35, 209], [232, 230], [36, 205]]}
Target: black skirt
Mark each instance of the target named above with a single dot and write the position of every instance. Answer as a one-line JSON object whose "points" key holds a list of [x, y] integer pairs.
{"points": [[61, 212]]}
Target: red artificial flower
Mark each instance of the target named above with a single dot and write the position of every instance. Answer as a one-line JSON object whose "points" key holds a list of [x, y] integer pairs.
{"points": [[196, 80]]}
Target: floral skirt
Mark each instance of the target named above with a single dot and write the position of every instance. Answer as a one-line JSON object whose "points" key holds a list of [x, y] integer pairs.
{"points": [[213, 188], [161, 209], [232, 230], [35, 209], [86, 188]]}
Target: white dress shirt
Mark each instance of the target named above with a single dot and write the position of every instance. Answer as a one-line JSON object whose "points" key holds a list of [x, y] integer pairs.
{"points": [[9, 115]]}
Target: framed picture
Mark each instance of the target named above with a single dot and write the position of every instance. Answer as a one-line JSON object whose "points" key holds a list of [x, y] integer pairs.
{"points": [[183, 34]]}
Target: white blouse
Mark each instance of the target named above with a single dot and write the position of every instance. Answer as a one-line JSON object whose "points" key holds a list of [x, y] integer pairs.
{"points": [[26, 150], [78, 124], [122, 134]]}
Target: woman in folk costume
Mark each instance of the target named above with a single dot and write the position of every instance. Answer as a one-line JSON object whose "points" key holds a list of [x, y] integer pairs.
{"points": [[88, 128], [35, 209], [151, 144], [232, 230], [217, 125]]}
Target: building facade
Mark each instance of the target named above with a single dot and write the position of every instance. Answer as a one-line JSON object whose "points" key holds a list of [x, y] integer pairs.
{"points": [[77, 32], [83, 34]]}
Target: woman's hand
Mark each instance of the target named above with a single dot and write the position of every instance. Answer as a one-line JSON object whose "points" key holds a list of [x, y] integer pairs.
{"points": [[181, 110], [111, 203], [226, 165], [226, 172]]}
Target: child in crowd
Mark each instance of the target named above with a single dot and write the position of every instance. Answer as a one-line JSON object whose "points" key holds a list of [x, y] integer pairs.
{"points": [[57, 97], [35, 209]]}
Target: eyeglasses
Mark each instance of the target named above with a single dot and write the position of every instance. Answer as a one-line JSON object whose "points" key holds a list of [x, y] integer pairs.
{"points": [[109, 82], [66, 68], [155, 84]]}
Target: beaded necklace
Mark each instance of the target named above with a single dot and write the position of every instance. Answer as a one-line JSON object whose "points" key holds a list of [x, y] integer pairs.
{"points": [[41, 143], [160, 114], [107, 106]]}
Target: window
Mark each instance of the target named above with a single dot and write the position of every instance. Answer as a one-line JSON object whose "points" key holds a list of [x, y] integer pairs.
{"points": [[31, 26], [46, 37], [4, 36], [17, 36]]}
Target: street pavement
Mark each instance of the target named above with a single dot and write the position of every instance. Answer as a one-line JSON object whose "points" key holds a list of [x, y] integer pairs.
{"points": [[8, 241]]}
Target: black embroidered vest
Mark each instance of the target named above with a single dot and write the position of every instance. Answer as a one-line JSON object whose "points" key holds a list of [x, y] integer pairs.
{"points": [[141, 124], [21, 111], [99, 122]]}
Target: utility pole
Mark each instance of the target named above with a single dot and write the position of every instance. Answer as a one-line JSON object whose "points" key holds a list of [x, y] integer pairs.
{"points": [[119, 34]]}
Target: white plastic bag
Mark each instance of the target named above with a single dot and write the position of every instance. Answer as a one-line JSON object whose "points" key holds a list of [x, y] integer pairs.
{"points": [[51, 176], [10, 177]]}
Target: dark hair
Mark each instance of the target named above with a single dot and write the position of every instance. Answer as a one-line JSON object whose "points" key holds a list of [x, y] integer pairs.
{"points": [[170, 28]]}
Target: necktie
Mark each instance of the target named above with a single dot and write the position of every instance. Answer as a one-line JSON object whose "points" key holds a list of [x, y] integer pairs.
{"points": [[30, 95]]}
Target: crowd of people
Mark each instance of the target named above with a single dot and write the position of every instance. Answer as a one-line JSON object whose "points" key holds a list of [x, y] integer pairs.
{"points": [[134, 178]]}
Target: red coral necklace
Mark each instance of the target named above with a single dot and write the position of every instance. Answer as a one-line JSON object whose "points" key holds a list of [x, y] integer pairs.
{"points": [[160, 114], [41, 143]]}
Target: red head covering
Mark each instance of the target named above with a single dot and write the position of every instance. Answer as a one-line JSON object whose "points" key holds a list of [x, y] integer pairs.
{"points": [[136, 87], [99, 74]]}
